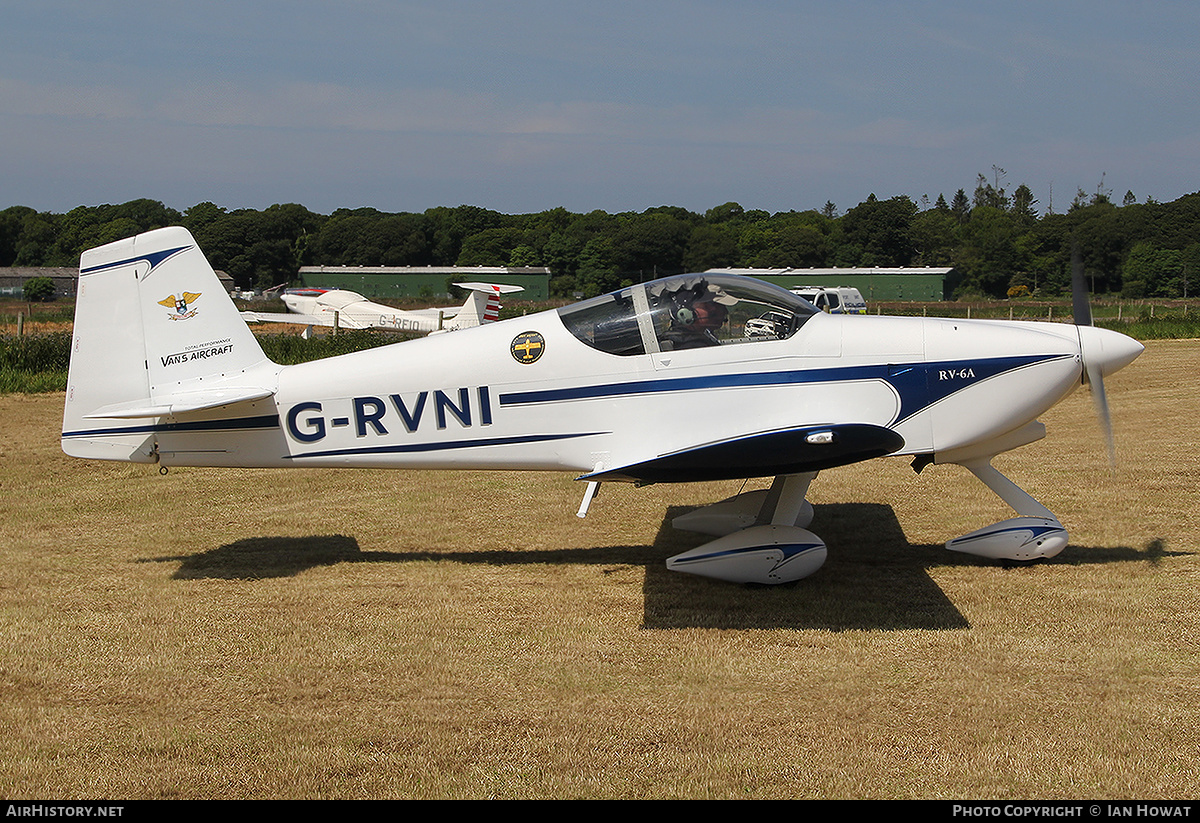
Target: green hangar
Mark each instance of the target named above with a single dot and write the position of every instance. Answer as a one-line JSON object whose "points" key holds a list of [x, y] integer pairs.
{"points": [[423, 281], [916, 284]]}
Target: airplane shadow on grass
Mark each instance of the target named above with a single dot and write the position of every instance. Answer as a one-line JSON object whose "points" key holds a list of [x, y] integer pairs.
{"points": [[873, 577]]}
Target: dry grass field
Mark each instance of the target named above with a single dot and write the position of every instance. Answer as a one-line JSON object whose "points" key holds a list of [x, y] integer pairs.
{"points": [[341, 634]]}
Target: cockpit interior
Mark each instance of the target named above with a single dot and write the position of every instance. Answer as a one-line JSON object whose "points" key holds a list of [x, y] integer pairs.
{"points": [[687, 311]]}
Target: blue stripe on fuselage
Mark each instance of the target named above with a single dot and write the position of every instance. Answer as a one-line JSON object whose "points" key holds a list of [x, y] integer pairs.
{"points": [[912, 381], [266, 421]]}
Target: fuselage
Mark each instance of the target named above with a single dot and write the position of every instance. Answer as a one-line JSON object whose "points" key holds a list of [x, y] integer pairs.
{"points": [[353, 311], [538, 393]]}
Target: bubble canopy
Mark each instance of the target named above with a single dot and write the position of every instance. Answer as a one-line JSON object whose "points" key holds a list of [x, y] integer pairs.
{"points": [[687, 311]]}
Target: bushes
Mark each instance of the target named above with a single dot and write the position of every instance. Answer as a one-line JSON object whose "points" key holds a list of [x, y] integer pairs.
{"points": [[34, 363], [39, 289], [36, 352], [288, 349]]}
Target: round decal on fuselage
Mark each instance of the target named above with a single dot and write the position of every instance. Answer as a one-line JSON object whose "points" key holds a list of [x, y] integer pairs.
{"points": [[527, 347]]}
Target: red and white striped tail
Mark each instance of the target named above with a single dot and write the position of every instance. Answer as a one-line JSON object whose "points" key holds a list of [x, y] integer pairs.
{"points": [[483, 306], [491, 312]]}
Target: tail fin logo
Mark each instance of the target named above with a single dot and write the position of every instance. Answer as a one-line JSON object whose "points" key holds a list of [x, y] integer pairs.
{"points": [[181, 305]]}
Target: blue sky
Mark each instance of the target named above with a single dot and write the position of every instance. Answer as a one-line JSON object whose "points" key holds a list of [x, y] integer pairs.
{"points": [[528, 105]]}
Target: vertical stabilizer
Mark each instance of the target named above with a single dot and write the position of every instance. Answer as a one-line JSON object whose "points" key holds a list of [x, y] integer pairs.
{"points": [[155, 335], [483, 304]]}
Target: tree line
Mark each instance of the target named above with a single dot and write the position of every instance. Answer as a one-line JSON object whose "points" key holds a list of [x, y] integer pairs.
{"points": [[997, 241]]}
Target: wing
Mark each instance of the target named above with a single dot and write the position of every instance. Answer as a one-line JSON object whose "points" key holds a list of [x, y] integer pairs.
{"points": [[281, 317], [345, 321]]}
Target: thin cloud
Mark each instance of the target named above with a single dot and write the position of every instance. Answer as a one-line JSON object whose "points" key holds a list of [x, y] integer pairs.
{"points": [[533, 104]]}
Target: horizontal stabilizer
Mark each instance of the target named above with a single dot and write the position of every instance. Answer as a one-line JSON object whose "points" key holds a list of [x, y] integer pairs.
{"points": [[791, 451], [498, 288], [178, 404]]}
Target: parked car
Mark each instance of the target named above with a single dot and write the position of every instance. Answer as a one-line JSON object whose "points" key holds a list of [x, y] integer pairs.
{"points": [[834, 299]]}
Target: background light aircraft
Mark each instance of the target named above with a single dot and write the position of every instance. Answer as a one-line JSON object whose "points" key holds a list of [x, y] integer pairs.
{"points": [[658, 382], [350, 310]]}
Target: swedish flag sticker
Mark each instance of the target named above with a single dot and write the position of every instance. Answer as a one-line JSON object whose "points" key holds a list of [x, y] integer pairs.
{"points": [[527, 347]]}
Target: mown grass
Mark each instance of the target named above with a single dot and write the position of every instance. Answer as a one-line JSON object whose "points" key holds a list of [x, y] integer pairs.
{"points": [[372, 634]]}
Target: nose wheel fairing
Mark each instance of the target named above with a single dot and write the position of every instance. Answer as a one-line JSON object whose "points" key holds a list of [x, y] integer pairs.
{"points": [[1033, 535], [1021, 539]]}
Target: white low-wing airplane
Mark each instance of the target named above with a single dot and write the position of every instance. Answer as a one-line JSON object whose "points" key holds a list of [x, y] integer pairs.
{"points": [[667, 381], [350, 310]]}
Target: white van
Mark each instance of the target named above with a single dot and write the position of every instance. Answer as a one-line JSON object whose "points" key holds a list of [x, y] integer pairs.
{"points": [[833, 299]]}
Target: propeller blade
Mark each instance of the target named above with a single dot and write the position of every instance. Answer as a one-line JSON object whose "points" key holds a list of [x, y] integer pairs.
{"points": [[1096, 380], [1093, 373], [1081, 305]]}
